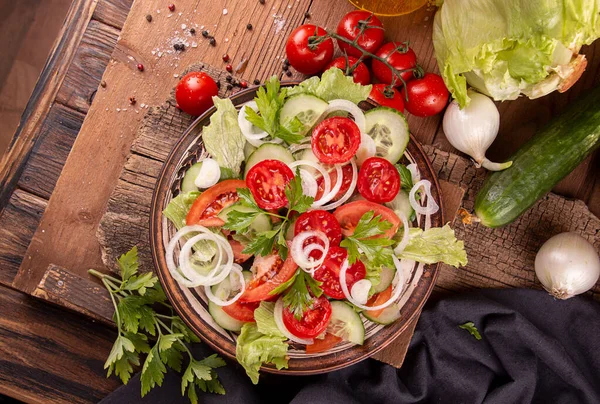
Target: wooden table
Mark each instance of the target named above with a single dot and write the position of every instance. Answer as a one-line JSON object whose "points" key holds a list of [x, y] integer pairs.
{"points": [[50, 355]]}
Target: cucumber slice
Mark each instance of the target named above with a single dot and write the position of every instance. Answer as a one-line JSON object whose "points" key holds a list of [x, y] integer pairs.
{"points": [[387, 316], [189, 179], [307, 108], [223, 319], [346, 323], [386, 278], [259, 224], [248, 150], [401, 203], [389, 129], [268, 151]]}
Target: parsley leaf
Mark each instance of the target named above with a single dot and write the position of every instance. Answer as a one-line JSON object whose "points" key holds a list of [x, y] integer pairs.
{"points": [[247, 199], [406, 182], [362, 240], [153, 371], [128, 263], [240, 221], [470, 327], [285, 285], [262, 244], [298, 298], [295, 195]]}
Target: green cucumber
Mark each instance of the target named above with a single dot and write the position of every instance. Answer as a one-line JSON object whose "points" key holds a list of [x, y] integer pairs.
{"points": [[260, 223], [401, 203], [268, 151], [346, 323], [223, 319], [387, 316], [385, 280], [307, 108], [541, 163], [248, 150], [389, 130]]}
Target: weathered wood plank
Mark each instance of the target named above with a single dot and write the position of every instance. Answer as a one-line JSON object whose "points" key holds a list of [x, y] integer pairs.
{"points": [[112, 12], [13, 161], [45, 164], [49, 355], [18, 222]]}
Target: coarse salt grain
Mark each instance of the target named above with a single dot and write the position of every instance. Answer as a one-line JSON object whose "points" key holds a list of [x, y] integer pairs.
{"points": [[175, 75], [183, 26], [224, 11]]}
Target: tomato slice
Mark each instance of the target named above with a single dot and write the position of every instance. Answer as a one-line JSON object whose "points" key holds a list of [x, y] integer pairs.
{"points": [[267, 181], [346, 181], [378, 180], [335, 140], [329, 273], [319, 220], [324, 344], [313, 322], [238, 256], [349, 214], [242, 311], [207, 206], [271, 271], [378, 299]]}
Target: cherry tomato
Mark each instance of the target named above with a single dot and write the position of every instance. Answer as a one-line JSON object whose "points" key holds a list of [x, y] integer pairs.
{"points": [[335, 140], [360, 74], [378, 180], [237, 248], [194, 93], [427, 96], [207, 206], [267, 181], [242, 311], [397, 59], [349, 214], [346, 181], [313, 322], [271, 271], [320, 345], [319, 220], [376, 300], [387, 97], [299, 54], [349, 27], [329, 273]]}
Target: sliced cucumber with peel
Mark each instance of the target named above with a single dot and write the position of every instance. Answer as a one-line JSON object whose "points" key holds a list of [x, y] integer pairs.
{"points": [[389, 130], [248, 150], [268, 151], [387, 316], [260, 223], [346, 323], [223, 291], [401, 203], [307, 108], [385, 280]]}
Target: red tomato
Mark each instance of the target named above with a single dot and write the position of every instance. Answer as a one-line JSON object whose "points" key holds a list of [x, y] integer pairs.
{"points": [[313, 322], [271, 271], [329, 273], [299, 54], [267, 181], [335, 140], [320, 345], [360, 74], [349, 214], [207, 206], [376, 300], [397, 59], [194, 93], [427, 96], [242, 311], [349, 27], [378, 180], [237, 247], [319, 220], [387, 97], [346, 181]]}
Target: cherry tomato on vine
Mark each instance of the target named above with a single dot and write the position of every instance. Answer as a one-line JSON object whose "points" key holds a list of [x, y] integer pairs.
{"points": [[267, 181], [301, 56], [350, 26], [426, 96], [378, 180], [387, 97], [360, 74], [329, 273], [335, 140], [194, 93], [392, 52], [313, 322]]}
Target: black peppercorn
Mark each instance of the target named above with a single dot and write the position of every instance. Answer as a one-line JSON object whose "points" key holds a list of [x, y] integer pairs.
{"points": [[256, 82], [288, 73], [261, 1], [286, 62], [307, 15], [249, 26], [229, 78], [285, 68], [229, 86], [205, 34], [193, 31], [213, 41], [149, 18]]}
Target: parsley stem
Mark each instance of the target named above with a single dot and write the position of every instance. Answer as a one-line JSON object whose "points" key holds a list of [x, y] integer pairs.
{"points": [[112, 297], [165, 317], [101, 275]]}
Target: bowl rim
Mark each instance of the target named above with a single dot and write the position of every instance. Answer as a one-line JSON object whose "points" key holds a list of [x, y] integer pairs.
{"points": [[213, 338]]}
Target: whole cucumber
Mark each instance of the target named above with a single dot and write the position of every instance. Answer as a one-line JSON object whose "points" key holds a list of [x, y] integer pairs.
{"points": [[541, 163]]}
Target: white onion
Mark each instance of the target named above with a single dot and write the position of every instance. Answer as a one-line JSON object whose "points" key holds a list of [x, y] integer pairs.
{"points": [[339, 180], [348, 193], [367, 149], [404, 242], [360, 290], [328, 192], [431, 206], [567, 265], [414, 172], [248, 130], [279, 321], [171, 249], [352, 108], [301, 254], [209, 174], [238, 271], [309, 183]]}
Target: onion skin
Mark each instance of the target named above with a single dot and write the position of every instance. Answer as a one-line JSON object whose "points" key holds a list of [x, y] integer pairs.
{"points": [[567, 265]]}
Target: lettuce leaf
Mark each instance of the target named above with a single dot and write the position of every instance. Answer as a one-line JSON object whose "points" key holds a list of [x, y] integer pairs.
{"points": [[438, 244], [265, 320], [255, 348], [223, 138], [332, 85], [178, 208]]}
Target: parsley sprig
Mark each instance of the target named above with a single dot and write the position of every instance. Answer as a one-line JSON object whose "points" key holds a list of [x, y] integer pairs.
{"points": [[301, 289], [364, 241], [134, 298]]}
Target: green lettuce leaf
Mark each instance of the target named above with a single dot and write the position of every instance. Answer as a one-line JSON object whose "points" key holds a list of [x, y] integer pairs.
{"points": [[505, 48], [255, 348], [438, 244], [223, 138], [178, 208], [332, 85], [265, 320]]}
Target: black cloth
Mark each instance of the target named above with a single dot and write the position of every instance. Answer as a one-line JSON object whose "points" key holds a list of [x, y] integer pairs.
{"points": [[534, 349]]}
